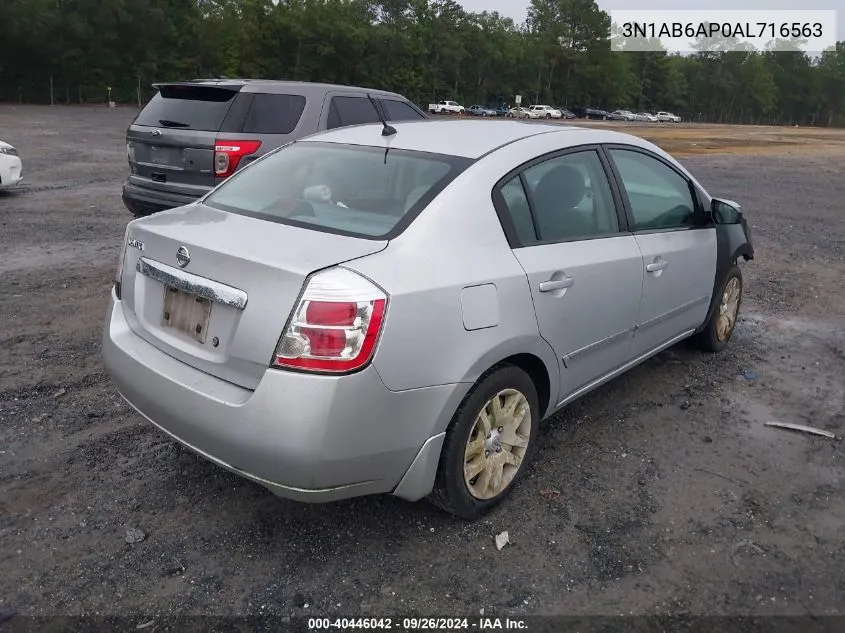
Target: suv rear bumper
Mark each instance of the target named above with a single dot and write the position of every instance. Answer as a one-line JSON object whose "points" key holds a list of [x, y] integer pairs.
{"points": [[143, 201]]}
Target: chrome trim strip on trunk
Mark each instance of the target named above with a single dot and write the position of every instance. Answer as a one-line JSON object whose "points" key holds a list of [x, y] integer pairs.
{"points": [[194, 284]]}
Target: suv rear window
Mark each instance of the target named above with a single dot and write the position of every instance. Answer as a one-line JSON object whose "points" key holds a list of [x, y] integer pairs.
{"points": [[188, 107], [348, 189], [274, 114]]}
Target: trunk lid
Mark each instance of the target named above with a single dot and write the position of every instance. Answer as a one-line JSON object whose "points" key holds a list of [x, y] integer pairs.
{"points": [[170, 144], [250, 271]]}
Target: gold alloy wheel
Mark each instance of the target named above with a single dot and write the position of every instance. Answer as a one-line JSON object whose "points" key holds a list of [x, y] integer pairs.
{"points": [[728, 310], [497, 444]]}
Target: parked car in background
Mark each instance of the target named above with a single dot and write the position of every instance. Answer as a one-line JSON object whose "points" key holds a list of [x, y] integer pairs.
{"points": [[192, 135], [590, 113], [477, 110], [502, 110], [645, 117], [523, 113], [11, 167], [546, 112], [622, 115], [668, 117], [275, 326], [446, 107], [566, 114]]}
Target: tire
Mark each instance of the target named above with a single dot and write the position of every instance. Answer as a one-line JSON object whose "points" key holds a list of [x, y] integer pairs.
{"points": [[451, 490], [548, 116], [714, 338]]}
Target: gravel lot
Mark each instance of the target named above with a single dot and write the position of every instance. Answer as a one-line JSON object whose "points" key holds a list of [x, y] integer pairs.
{"points": [[662, 492]]}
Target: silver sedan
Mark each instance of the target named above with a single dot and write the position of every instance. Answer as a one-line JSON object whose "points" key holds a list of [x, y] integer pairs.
{"points": [[395, 310]]}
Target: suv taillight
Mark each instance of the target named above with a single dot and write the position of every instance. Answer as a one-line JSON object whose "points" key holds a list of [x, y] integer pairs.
{"points": [[336, 325], [228, 154]]}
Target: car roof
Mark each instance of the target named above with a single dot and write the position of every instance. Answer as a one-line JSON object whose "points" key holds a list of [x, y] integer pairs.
{"points": [[469, 139], [274, 85]]}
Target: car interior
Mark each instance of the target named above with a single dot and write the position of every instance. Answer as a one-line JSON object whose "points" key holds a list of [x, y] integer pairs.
{"points": [[360, 192], [566, 204]]}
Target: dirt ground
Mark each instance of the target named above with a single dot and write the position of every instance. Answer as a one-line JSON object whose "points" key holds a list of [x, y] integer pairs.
{"points": [[663, 492]]}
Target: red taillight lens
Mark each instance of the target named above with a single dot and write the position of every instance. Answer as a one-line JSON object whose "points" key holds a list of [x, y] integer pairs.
{"points": [[336, 326], [331, 312], [328, 343], [228, 155]]}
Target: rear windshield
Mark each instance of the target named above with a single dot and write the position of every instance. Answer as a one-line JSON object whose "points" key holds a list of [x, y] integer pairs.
{"points": [[348, 189], [187, 107]]}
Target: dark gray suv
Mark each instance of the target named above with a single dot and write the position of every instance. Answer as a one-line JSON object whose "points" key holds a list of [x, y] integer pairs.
{"points": [[192, 135]]}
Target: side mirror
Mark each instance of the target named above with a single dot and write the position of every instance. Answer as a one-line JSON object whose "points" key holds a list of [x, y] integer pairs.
{"points": [[726, 211]]}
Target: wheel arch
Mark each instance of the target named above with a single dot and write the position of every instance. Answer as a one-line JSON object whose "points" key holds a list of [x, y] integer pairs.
{"points": [[419, 479], [732, 244], [539, 374], [538, 360]]}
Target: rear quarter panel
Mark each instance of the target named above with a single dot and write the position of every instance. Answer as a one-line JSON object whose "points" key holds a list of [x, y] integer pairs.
{"points": [[456, 242]]}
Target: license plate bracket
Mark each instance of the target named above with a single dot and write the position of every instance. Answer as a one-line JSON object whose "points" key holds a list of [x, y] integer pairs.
{"points": [[186, 313]]}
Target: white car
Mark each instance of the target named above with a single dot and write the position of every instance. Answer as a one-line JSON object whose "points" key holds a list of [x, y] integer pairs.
{"points": [[668, 117], [523, 113], [647, 117], [10, 166], [546, 112], [623, 115], [446, 107]]}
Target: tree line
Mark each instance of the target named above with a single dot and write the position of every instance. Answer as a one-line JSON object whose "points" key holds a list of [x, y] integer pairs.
{"points": [[73, 51]]}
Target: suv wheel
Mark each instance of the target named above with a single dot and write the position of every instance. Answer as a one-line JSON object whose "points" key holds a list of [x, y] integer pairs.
{"points": [[489, 441]]}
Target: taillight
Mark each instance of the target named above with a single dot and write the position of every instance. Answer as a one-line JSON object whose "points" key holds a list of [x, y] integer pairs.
{"points": [[228, 154], [336, 325]]}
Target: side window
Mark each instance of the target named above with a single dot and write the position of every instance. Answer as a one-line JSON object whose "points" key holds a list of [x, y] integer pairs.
{"points": [[274, 114], [572, 198], [519, 210], [345, 111], [400, 111], [660, 197]]}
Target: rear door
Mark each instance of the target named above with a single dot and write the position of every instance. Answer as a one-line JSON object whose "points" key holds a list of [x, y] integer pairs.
{"points": [[583, 266], [678, 248], [170, 144]]}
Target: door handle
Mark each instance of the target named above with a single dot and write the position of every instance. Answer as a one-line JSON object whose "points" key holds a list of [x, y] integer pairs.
{"points": [[657, 265], [556, 284]]}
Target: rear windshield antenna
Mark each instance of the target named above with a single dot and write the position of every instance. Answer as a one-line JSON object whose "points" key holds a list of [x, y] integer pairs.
{"points": [[387, 130]]}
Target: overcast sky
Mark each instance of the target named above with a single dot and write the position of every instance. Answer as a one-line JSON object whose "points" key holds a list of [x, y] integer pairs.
{"points": [[517, 8]]}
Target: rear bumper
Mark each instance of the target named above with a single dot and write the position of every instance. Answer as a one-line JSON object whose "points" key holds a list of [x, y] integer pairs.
{"points": [[144, 201], [304, 437]]}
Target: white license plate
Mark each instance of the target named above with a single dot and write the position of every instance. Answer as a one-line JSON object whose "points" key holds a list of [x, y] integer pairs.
{"points": [[186, 313]]}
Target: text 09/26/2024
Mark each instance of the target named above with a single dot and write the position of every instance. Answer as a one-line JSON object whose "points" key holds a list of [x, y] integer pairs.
{"points": [[417, 624]]}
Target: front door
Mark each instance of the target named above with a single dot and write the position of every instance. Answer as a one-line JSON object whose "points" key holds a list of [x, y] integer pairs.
{"points": [[584, 268], [679, 251]]}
